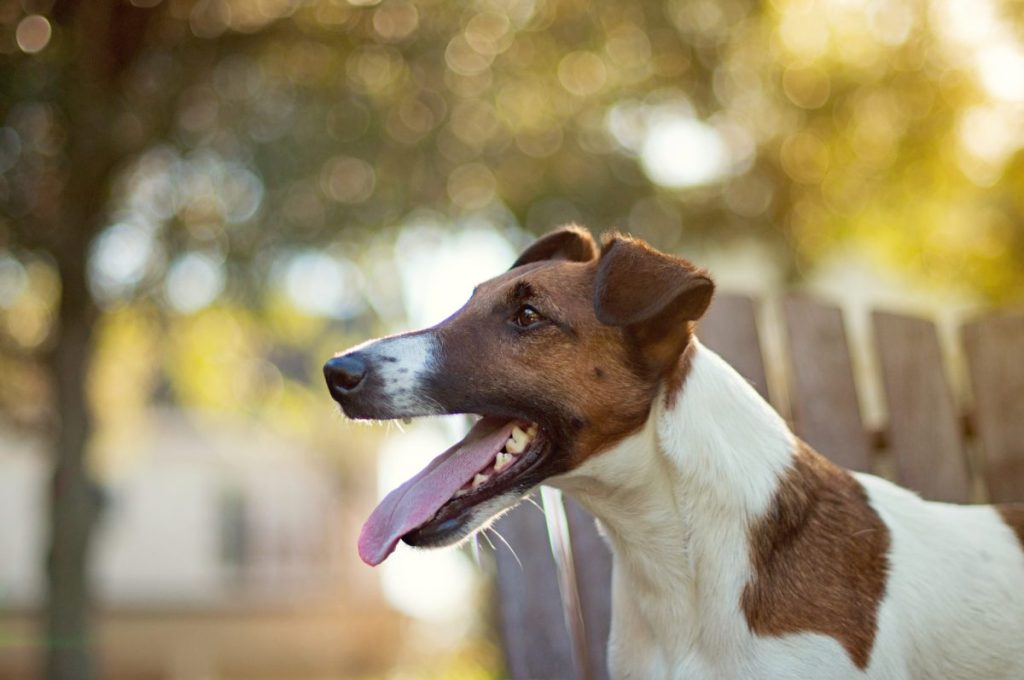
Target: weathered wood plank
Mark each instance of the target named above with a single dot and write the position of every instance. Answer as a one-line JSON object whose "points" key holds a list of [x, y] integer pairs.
{"points": [[593, 562], [824, 398], [924, 426], [995, 356], [729, 327], [536, 641]]}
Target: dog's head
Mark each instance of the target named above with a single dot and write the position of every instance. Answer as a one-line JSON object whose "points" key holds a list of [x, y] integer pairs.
{"points": [[561, 356]]}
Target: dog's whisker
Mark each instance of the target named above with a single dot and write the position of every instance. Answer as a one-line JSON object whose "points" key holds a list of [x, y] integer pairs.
{"points": [[509, 546], [529, 499], [488, 538]]}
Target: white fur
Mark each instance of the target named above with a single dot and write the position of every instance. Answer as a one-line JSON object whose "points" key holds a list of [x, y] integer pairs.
{"points": [[954, 605], [677, 499], [402, 363]]}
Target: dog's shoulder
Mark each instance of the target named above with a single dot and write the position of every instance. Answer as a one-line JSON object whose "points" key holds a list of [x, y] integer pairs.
{"points": [[819, 558]]}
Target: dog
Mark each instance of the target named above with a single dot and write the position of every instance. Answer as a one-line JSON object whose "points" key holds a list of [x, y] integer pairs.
{"points": [[739, 552]]}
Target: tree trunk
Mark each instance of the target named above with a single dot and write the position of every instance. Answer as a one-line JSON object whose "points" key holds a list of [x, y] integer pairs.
{"points": [[105, 39], [74, 502]]}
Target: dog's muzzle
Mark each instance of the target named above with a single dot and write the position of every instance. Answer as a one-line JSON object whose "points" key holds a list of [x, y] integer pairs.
{"points": [[385, 378]]}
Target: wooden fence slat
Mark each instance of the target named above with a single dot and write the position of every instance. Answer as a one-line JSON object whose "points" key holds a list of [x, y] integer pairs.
{"points": [[537, 643], [730, 328], [924, 426], [995, 356], [824, 397], [593, 562]]}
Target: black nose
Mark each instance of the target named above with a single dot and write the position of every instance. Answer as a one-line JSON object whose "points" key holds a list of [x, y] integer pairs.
{"points": [[344, 373]]}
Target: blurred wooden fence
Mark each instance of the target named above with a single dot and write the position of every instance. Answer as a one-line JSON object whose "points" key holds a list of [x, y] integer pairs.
{"points": [[555, 607]]}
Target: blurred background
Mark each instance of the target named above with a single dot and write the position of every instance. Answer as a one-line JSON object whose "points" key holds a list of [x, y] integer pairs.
{"points": [[202, 200]]}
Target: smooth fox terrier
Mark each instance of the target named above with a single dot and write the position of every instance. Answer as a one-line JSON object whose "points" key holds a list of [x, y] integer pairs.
{"points": [[739, 552]]}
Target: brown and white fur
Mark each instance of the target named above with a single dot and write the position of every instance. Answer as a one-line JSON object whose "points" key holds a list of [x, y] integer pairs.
{"points": [[739, 552]]}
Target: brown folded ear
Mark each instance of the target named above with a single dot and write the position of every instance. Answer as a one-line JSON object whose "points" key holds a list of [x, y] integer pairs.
{"points": [[571, 243], [654, 296]]}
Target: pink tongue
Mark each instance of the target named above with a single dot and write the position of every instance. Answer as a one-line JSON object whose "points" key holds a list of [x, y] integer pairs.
{"points": [[416, 501]]}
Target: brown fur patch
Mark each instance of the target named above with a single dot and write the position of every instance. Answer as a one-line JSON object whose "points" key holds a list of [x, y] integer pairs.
{"points": [[1013, 515], [819, 558], [576, 365]]}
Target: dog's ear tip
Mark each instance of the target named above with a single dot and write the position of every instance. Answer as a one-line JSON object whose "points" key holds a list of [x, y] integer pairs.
{"points": [[576, 227], [703, 276], [571, 242], [634, 282], [703, 291]]}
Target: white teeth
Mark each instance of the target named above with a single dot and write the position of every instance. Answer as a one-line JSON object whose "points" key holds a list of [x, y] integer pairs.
{"points": [[502, 461], [520, 439], [515, 446]]}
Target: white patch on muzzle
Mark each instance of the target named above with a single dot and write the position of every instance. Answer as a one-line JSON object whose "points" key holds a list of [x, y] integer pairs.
{"points": [[399, 365]]}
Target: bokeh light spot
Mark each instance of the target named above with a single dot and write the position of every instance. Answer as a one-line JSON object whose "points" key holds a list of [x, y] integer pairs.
{"points": [[464, 60], [1001, 68], [991, 133], [805, 157], [488, 33], [396, 21], [684, 152], [121, 256], [471, 186], [347, 180], [804, 30], [322, 284], [582, 73], [439, 269], [194, 281], [13, 280], [33, 34], [808, 87]]}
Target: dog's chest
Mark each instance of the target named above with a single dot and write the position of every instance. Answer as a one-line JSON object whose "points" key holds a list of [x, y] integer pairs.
{"points": [[665, 623], [636, 651], [668, 625]]}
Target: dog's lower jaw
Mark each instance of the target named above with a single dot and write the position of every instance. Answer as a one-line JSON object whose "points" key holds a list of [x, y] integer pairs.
{"points": [[479, 518]]}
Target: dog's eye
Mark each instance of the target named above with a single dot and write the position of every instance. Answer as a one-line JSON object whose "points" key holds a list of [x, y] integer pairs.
{"points": [[526, 316]]}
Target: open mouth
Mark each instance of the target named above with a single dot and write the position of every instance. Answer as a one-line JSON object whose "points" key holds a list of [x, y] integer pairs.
{"points": [[437, 506]]}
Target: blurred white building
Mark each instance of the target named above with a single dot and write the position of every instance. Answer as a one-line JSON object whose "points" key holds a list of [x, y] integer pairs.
{"points": [[209, 512]]}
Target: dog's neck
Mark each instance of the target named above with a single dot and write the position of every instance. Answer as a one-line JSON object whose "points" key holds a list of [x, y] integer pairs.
{"points": [[677, 499]]}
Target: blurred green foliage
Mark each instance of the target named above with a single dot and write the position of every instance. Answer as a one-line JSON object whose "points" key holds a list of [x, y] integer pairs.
{"points": [[242, 134], [250, 129]]}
